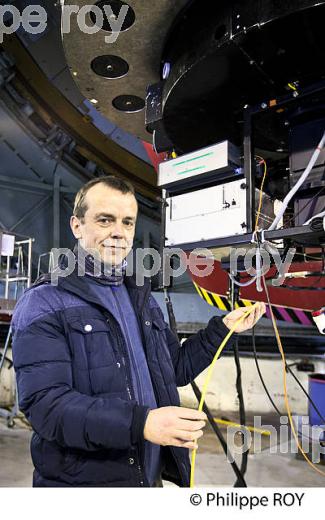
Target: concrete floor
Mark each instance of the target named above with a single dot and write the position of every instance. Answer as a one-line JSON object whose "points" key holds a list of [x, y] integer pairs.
{"points": [[212, 469]]}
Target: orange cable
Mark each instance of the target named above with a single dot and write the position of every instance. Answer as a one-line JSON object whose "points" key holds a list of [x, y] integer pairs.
{"points": [[261, 194], [286, 400]]}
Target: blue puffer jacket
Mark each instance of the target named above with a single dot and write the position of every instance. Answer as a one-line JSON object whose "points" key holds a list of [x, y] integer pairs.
{"points": [[74, 384]]}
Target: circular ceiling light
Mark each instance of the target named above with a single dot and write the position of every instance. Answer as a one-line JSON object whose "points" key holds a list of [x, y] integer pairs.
{"points": [[114, 7], [166, 70], [128, 104], [110, 67]]}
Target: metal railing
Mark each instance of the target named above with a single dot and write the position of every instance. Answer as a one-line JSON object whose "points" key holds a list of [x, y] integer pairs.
{"points": [[20, 278]]}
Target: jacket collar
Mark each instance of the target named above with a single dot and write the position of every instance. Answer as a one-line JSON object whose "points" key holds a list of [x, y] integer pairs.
{"points": [[79, 286]]}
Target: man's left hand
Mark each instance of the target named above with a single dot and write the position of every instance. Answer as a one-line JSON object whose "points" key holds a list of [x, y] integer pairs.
{"points": [[248, 322]]}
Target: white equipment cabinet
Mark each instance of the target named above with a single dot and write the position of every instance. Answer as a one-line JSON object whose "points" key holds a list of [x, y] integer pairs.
{"points": [[218, 211]]}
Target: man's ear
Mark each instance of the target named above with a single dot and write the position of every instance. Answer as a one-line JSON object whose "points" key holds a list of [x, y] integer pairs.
{"points": [[75, 225]]}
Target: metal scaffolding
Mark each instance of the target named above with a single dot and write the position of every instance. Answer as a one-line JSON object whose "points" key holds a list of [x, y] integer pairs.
{"points": [[13, 280]]}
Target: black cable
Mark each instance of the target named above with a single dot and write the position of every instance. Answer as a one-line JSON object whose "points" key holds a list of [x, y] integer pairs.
{"points": [[242, 411], [300, 288], [260, 374], [305, 206], [240, 478], [9, 361], [288, 369]]}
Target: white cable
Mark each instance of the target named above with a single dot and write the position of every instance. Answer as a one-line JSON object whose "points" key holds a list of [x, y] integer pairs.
{"points": [[302, 179], [257, 277], [315, 216], [259, 287], [242, 284]]}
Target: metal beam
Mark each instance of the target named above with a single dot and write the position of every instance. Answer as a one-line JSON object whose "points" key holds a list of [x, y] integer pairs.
{"points": [[34, 184], [20, 190], [33, 211], [2, 225], [298, 233], [68, 207]]}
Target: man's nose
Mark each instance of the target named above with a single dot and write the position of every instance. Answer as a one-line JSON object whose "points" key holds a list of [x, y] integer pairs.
{"points": [[118, 231]]}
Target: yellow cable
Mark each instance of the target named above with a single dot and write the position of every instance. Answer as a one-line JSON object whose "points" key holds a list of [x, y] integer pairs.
{"points": [[208, 377], [286, 400], [261, 196], [277, 335], [241, 426], [210, 371]]}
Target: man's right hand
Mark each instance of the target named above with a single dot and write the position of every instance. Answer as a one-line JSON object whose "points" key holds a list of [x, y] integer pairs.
{"points": [[174, 426]]}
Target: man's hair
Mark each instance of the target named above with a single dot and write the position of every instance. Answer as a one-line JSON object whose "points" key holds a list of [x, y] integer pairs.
{"points": [[80, 205]]}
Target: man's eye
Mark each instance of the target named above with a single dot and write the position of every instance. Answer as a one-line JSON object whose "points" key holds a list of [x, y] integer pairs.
{"points": [[129, 223], [105, 220]]}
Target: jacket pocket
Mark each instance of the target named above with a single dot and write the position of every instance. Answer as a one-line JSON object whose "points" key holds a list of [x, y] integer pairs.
{"points": [[92, 342], [93, 348]]}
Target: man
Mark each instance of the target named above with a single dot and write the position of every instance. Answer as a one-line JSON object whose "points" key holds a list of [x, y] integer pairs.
{"points": [[98, 368]]}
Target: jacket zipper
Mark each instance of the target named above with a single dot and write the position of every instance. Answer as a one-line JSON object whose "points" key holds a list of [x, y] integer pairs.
{"points": [[131, 355], [129, 387], [170, 447], [126, 378]]}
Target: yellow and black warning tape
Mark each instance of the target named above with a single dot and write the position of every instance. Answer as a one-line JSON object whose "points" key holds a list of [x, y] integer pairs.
{"points": [[281, 313], [221, 302]]}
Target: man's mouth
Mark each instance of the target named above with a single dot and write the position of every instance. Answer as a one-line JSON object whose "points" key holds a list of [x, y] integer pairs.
{"points": [[114, 247]]}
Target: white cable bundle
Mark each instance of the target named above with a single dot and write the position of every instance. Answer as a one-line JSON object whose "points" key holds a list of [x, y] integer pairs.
{"points": [[302, 179], [284, 206], [315, 216]]}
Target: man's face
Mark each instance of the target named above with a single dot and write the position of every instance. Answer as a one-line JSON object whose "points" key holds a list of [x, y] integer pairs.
{"points": [[109, 223]]}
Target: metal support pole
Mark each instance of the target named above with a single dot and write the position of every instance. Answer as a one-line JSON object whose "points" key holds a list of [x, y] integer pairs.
{"points": [[56, 210], [248, 169], [146, 242], [161, 275], [7, 278], [29, 262], [234, 294]]}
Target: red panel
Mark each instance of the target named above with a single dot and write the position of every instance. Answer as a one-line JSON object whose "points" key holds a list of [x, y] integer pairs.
{"points": [[155, 158], [218, 282]]}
